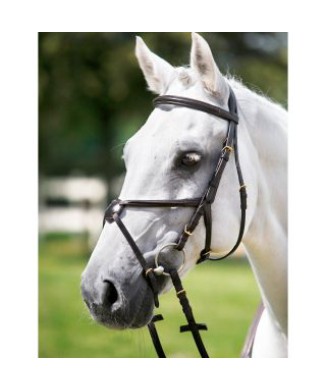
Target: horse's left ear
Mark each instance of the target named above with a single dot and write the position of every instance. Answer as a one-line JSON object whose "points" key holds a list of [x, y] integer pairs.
{"points": [[158, 72], [202, 60]]}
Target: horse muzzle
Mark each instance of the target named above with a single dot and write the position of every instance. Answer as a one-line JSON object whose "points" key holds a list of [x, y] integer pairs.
{"points": [[119, 305]]}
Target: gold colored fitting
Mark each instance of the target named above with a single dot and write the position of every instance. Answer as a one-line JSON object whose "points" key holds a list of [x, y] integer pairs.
{"points": [[243, 186], [185, 229], [227, 147], [207, 253], [148, 271], [181, 291]]}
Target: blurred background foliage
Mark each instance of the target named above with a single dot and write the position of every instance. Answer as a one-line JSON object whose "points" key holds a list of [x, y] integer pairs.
{"points": [[92, 95], [92, 98]]}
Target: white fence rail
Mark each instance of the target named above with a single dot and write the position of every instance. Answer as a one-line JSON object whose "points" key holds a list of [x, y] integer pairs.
{"points": [[72, 205]]}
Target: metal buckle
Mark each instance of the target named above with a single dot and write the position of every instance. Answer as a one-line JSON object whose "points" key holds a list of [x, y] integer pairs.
{"points": [[113, 208]]}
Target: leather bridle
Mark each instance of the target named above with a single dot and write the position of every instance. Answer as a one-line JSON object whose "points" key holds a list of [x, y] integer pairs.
{"points": [[202, 208]]}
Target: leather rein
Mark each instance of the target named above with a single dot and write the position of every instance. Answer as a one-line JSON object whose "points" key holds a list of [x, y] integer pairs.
{"points": [[202, 208]]}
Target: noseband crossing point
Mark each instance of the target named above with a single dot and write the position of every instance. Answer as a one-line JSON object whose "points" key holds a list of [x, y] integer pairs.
{"points": [[202, 208]]}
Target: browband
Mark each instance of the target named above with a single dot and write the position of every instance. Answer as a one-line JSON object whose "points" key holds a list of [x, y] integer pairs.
{"points": [[197, 105]]}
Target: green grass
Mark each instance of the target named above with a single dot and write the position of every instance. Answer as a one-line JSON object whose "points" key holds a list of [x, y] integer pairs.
{"points": [[223, 295]]}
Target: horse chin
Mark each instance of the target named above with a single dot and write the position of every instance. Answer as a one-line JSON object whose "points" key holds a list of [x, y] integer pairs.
{"points": [[144, 312]]}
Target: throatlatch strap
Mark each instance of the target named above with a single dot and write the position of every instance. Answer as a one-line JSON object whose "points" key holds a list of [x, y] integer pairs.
{"points": [[230, 144]]}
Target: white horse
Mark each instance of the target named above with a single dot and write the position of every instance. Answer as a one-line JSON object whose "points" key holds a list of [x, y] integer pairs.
{"points": [[157, 164]]}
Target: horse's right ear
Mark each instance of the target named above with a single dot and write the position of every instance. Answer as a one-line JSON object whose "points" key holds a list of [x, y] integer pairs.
{"points": [[202, 60], [158, 72]]}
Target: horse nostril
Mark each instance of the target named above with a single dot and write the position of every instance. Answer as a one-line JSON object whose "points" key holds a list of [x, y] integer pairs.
{"points": [[111, 294]]}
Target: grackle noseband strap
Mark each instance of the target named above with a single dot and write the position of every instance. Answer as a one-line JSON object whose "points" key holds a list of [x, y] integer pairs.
{"points": [[202, 208]]}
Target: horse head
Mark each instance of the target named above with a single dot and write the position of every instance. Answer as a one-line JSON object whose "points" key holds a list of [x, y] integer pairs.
{"points": [[172, 156]]}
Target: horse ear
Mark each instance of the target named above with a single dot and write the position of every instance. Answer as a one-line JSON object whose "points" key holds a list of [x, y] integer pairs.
{"points": [[158, 72], [202, 60]]}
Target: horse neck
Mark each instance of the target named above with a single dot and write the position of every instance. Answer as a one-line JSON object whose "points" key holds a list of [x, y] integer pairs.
{"points": [[266, 238]]}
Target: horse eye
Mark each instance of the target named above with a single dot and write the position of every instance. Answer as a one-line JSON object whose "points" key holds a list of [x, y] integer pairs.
{"points": [[190, 159]]}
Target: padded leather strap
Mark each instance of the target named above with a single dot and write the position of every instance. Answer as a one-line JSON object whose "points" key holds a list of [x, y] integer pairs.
{"points": [[196, 105]]}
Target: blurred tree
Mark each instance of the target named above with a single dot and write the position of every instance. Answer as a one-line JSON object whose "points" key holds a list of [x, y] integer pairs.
{"points": [[92, 95]]}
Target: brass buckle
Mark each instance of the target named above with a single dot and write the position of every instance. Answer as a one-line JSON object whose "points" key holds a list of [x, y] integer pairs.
{"points": [[228, 148]]}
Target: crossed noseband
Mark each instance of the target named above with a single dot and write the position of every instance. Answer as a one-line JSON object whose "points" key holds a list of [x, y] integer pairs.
{"points": [[202, 208]]}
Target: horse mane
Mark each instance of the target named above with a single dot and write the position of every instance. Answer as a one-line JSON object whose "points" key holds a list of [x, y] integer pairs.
{"points": [[265, 119], [252, 92], [188, 77]]}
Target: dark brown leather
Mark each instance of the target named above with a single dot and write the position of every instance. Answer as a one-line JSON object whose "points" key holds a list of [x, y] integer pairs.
{"points": [[196, 105], [161, 203], [192, 325], [154, 335]]}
